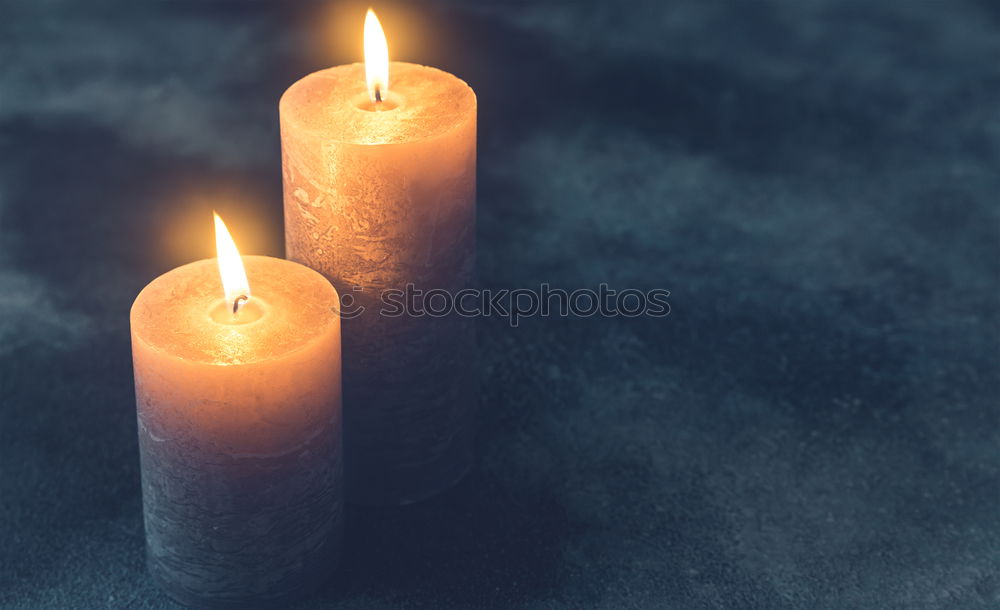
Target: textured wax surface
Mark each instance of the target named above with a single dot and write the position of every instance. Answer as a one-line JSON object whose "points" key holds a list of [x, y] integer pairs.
{"points": [[234, 530], [815, 424], [388, 216]]}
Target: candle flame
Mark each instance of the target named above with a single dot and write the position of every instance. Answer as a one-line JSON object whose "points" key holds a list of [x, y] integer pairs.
{"points": [[376, 58], [234, 276]]}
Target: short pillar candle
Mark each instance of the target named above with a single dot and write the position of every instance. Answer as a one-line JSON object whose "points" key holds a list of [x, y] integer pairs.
{"points": [[239, 433]]}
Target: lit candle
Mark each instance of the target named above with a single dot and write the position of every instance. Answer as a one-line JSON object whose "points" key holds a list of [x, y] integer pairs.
{"points": [[238, 401], [379, 184]]}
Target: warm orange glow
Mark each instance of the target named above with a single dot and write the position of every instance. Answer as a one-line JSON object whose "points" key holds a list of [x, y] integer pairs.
{"points": [[376, 58], [234, 276]]}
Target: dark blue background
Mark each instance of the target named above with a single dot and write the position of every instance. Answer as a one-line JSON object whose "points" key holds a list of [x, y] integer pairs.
{"points": [[815, 425]]}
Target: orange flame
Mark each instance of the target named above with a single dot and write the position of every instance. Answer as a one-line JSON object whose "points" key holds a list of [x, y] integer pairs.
{"points": [[231, 270], [376, 58]]}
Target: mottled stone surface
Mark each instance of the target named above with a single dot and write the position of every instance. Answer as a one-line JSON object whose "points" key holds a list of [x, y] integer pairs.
{"points": [[814, 426]]}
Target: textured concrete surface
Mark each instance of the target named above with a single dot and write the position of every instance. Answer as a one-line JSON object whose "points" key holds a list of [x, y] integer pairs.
{"points": [[814, 426]]}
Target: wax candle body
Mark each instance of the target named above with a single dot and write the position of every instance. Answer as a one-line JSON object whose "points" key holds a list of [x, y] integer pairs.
{"points": [[376, 199], [239, 433]]}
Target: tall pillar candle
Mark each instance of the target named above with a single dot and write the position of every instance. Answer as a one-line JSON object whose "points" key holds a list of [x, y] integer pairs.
{"points": [[239, 433], [380, 194]]}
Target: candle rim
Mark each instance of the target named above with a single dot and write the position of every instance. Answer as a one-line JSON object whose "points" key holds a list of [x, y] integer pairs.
{"points": [[290, 115], [140, 321]]}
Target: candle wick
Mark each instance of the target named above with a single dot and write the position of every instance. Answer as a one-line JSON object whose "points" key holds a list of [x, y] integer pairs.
{"points": [[239, 301], [378, 95]]}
